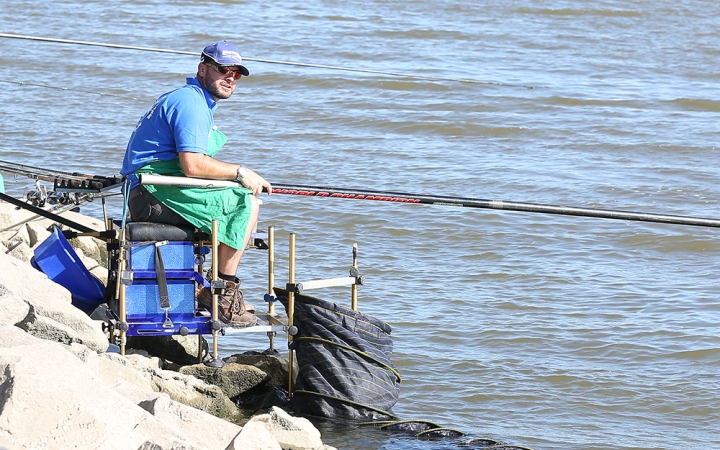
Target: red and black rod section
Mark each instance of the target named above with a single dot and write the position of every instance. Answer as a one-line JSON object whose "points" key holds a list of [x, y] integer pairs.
{"points": [[397, 197]]}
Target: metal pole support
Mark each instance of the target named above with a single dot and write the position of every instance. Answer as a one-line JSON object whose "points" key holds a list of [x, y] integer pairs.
{"points": [[291, 312], [214, 361]]}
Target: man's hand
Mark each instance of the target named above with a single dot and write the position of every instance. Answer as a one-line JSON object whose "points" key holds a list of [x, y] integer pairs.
{"points": [[255, 183]]}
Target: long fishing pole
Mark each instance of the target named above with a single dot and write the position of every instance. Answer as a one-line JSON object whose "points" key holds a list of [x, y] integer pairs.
{"points": [[62, 180], [269, 61], [396, 197]]}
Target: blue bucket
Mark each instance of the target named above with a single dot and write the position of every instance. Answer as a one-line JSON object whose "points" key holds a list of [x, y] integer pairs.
{"points": [[57, 259]]}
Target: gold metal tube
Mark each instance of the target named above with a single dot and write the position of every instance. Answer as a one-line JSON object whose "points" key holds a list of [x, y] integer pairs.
{"points": [[271, 280], [214, 244], [291, 311], [271, 266], [354, 289], [122, 312], [120, 289]]}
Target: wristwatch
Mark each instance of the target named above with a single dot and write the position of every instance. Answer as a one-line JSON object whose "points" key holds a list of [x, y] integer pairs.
{"points": [[242, 171]]}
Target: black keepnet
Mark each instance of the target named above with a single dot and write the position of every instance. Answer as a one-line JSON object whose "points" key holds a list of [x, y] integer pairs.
{"points": [[344, 360]]}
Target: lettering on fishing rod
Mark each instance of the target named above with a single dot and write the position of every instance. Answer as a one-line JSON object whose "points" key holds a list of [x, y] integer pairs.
{"points": [[293, 192], [343, 195], [369, 197]]}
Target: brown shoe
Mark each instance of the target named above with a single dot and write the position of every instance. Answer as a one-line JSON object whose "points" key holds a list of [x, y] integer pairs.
{"points": [[204, 299], [232, 310]]}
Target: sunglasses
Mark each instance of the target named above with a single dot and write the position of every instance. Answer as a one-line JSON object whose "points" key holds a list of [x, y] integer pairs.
{"points": [[225, 71]]}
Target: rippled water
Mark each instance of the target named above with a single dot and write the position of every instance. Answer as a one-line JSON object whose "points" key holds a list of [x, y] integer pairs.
{"points": [[545, 331]]}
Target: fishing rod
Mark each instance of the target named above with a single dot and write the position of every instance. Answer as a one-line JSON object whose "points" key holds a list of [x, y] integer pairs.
{"points": [[396, 197], [268, 61], [63, 88], [62, 180]]}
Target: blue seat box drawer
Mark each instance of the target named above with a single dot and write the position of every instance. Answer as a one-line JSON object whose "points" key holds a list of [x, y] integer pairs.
{"points": [[142, 298], [176, 255]]}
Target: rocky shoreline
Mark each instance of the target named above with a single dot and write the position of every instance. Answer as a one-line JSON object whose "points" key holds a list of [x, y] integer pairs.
{"points": [[63, 386]]}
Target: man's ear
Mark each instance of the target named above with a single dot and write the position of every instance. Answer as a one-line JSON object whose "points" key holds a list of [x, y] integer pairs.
{"points": [[202, 70]]}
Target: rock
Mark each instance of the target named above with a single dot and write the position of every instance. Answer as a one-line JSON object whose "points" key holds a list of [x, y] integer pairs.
{"points": [[274, 365], [96, 269], [84, 354], [65, 324], [29, 285], [20, 250], [83, 413], [90, 222], [193, 392], [292, 433], [4, 445], [182, 350], [37, 233], [15, 235], [204, 430], [139, 360], [116, 370], [146, 374], [132, 393], [14, 337], [12, 310], [233, 379], [90, 247], [8, 215], [51, 315], [255, 435]]}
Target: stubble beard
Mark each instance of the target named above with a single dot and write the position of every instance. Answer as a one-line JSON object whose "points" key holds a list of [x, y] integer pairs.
{"points": [[216, 91]]}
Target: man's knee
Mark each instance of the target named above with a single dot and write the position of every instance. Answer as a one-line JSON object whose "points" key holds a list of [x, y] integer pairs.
{"points": [[255, 205]]}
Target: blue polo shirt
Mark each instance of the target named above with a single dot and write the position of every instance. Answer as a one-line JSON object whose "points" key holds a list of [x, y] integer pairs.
{"points": [[178, 121]]}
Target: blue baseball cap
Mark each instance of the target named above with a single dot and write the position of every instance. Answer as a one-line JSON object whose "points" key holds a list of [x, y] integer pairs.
{"points": [[224, 53]]}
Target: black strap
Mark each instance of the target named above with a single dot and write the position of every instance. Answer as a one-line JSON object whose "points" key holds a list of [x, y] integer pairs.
{"points": [[161, 280]]}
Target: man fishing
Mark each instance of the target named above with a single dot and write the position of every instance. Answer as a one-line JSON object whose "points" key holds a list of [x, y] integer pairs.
{"points": [[178, 137]]}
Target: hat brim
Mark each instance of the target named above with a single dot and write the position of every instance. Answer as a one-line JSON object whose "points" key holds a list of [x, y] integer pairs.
{"points": [[243, 70]]}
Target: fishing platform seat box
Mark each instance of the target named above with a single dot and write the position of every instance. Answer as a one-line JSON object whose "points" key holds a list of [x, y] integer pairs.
{"points": [[172, 247]]}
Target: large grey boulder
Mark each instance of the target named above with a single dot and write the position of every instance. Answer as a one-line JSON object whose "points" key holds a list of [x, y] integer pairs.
{"points": [[20, 234], [51, 314], [193, 392], [275, 366], [233, 379], [292, 433], [181, 388], [37, 233], [51, 400], [90, 247], [20, 250], [205, 431], [12, 309], [116, 370], [255, 435]]}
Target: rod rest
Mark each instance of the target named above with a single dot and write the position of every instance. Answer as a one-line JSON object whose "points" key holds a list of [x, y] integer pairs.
{"points": [[151, 231]]}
